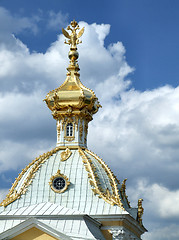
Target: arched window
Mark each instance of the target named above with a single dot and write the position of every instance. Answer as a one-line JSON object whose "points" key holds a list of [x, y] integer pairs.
{"points": [[69, 130]]}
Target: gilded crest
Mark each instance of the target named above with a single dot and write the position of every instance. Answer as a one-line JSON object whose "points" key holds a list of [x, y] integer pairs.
{"points": [[65, 154]]}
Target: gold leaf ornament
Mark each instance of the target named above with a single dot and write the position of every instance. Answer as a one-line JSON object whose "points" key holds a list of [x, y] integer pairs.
{"points": [[65, 154]]}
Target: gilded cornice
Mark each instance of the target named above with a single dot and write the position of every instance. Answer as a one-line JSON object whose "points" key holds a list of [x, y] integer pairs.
{"points": [[114, 198], [32, 168]]}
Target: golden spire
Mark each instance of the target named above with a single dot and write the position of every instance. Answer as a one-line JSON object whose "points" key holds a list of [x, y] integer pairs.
{"points": [[72, 98], [73, 41]]}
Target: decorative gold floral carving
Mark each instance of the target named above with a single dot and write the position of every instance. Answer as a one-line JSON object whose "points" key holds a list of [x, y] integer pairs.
{"points": [[58, 129], [58, 174], [76, 122], [115, 197], [123, 191], [32, 168], [65, 154], [95, 183], [86, 131]]}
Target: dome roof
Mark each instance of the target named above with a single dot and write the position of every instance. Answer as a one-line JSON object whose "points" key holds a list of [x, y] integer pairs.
{"points": [[90, 182]]}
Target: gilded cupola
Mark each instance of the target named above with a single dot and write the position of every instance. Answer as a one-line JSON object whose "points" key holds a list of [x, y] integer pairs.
{"points": [[72, 104]]}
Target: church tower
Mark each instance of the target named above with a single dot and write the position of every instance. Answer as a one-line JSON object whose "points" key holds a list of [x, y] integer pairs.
{"points": [[69, 192]]}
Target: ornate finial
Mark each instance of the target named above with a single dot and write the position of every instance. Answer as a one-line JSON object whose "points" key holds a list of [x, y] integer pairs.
{"points": [[140, 211], [73, 37], [73, 40]]}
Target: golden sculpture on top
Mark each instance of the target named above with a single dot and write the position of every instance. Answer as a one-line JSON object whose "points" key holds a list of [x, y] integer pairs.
{"points": [[72, 98], [73, 37]]}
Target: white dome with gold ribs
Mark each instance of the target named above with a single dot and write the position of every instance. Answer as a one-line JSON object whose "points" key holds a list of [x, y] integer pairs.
{"points": [[89, 185]]}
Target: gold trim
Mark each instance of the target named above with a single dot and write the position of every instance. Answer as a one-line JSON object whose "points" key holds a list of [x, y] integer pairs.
{"points": [[123, 192], [95, 183], [36, 164], [58, 174], [65, 154], [81, 130], [58, 130], [115, 197], [86, 131]]}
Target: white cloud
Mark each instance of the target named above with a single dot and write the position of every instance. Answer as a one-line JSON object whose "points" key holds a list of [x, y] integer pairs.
{"points": [[10, 24], [56, 20], [164, 201], [164, 233]]}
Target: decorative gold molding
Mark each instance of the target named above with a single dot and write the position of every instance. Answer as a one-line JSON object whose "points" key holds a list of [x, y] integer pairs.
{"points": [[65, 154], [86, 131], [58, 174], [95, 182], [34, 165], [58, 129], [123, 191], [81, 130], [115, 197]]}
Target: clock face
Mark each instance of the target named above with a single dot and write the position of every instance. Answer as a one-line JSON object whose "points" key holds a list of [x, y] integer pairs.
{"points": [[59, 183]]}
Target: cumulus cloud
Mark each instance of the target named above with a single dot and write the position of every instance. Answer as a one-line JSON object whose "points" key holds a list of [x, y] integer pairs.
{"points": [[141, 133], [137, 132], [167, 233], [161, 206], [163, 200]]}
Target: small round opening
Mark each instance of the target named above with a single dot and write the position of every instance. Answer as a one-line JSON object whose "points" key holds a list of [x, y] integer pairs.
{"points": [[59, 183]]}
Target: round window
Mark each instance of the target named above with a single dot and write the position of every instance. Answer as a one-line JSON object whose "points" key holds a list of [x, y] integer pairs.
{"points": [[59, 183]]}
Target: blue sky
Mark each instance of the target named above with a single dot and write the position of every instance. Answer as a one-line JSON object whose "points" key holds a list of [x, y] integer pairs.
{"points": [[129, 47]]}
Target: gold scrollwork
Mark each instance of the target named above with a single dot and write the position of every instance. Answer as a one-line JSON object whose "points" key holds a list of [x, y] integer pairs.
{"points": [[58, 174], [95, 182], [115, 197], [66, 154], [58, 129], [34, 165], [86, 131], [123, 191], [81, 130]]}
